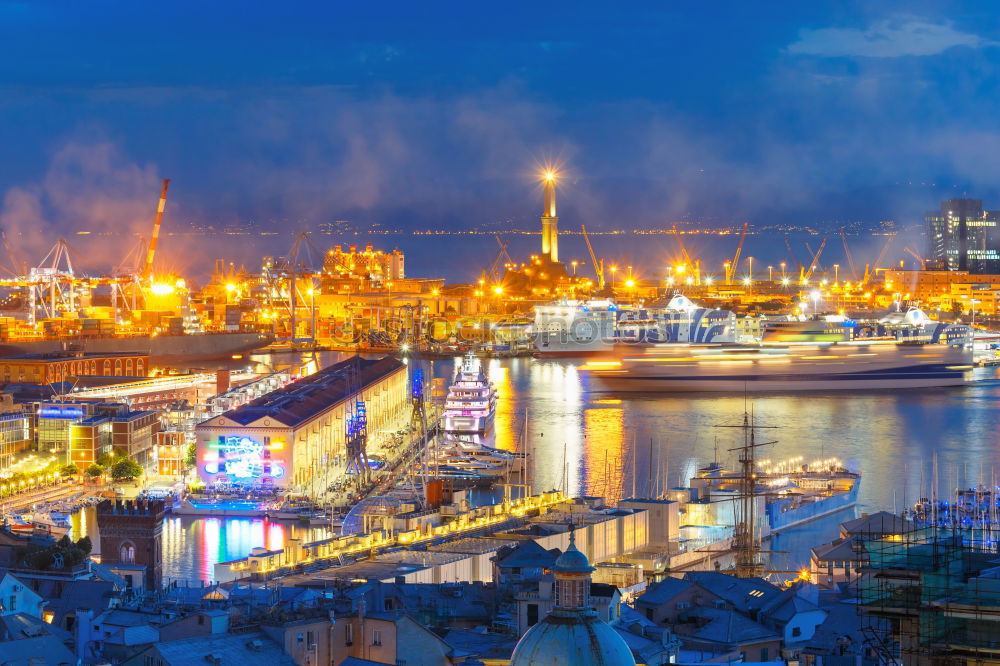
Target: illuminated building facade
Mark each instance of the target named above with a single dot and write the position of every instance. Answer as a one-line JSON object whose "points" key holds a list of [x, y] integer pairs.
{"points": [[171, 449], [79, 432], [15, 436], [48, 368], [295, 436], [964, 237], [377, 266]]}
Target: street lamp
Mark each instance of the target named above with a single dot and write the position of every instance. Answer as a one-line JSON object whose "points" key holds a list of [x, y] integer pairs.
{"points": [[614, 269], [836, 273], [573, 264], [770, 273], [782, 264], [815, 299]]}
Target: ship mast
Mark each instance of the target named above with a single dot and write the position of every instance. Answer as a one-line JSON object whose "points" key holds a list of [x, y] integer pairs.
{"points": [[746, 544]]}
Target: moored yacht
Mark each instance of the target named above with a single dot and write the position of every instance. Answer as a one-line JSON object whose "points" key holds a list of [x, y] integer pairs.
{"points": [[472, 400]]}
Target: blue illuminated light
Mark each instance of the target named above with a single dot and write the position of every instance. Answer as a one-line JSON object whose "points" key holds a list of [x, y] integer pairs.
{"points": [[51, 412]]}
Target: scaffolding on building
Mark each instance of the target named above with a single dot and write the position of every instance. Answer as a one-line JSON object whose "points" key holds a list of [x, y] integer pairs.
{"points": [[930, 596]]}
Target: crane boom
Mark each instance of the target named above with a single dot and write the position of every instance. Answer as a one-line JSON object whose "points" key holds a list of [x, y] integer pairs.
{"points": [[847, 253], [791, 253], [814, 262], [684, 252], [923, 262], [736, 257], [881, 255], [156, 231], [598, 266]]}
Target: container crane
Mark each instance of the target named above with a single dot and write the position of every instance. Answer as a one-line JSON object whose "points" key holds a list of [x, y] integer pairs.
{"points": [[147, 271], [598, 265], [804, 275], [731, 268]]}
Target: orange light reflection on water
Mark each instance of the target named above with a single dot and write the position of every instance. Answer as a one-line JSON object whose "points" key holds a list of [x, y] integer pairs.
{"points": [[604, 432]]}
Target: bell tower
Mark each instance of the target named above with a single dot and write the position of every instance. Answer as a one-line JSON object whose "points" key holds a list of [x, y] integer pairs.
{"points": [[131, 540]]}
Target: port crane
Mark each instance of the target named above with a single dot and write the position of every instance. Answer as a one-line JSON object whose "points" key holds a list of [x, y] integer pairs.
{"points": [[148, 268], [847, 253], [923, 262], [731, 267], [695, 265], [870, 269], [804, 275], [791, 254], [598, 265]]}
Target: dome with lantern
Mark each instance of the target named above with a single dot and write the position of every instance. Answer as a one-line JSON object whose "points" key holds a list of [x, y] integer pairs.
{"points": [[572, 634]]}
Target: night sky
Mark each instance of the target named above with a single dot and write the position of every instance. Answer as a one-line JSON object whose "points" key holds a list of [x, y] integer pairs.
{"points": [[418, 114]]}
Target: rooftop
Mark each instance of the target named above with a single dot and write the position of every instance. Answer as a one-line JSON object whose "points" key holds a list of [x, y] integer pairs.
{"points": [[305, 398], [253, 649]]}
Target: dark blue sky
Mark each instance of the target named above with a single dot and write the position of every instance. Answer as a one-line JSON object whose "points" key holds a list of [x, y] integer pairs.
{"points": [[436, 114]]}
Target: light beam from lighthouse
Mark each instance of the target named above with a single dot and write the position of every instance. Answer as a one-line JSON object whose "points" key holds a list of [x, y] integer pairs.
{"points": [[550, 221]]}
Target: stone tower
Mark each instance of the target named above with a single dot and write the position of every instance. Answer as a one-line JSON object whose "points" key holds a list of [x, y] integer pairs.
{"points": [[131, 534]]}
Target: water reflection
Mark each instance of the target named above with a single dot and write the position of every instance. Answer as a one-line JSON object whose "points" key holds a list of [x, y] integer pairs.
{"points": [[890, 437], [192, 546]]}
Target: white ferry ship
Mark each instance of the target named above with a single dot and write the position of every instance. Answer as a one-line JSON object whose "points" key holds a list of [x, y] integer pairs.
{"points": [[583, 328], [805, 367], [472, 401]]}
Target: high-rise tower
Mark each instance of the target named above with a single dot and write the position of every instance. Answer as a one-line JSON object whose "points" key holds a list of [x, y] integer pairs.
{"points": [[550, 221]]}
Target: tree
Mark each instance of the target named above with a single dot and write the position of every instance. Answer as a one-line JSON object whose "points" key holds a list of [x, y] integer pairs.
{"points": [[94, 470], [191, 456], [69, 470], [85, 545], [126, 470]]}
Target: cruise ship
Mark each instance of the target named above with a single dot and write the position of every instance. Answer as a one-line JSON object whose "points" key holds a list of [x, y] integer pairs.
{"points": [[472, 401], [791, 367], [586, 328]]}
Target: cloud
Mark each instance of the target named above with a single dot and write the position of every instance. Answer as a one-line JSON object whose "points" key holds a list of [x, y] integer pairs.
{"points": [[885, 39]]}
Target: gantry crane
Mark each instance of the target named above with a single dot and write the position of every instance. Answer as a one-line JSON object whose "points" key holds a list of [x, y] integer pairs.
{"points": [[598, 265], [731, 268]]}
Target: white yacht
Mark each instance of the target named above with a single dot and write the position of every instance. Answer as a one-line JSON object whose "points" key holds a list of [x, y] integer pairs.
{"points": [[472, 401]]}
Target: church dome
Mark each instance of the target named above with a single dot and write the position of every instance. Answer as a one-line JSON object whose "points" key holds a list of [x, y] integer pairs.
{"points": [[572, 634], [572, 641], [572, 561]]}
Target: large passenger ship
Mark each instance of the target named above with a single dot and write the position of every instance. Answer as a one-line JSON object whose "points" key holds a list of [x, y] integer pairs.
{"points": [[586, 328], [804, 367], [472, 400]]}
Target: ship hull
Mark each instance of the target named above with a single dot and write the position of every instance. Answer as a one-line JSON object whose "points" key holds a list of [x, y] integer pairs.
{"points": [[468, 425], [805, 513], [160, 348], [672, 368]]}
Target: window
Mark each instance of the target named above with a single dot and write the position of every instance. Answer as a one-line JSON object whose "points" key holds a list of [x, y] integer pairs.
{"points": [[348, 634], [649, 613], [532, 614], [796, 631], [12, 606], [126, 554], [763, 654], [310, 639], [376, 637]]}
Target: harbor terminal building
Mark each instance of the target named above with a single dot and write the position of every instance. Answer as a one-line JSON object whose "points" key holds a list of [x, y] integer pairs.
{"points": [[296, 436]]}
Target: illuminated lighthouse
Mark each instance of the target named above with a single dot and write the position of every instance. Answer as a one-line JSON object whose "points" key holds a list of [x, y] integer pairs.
{"points": [[550, 221]]}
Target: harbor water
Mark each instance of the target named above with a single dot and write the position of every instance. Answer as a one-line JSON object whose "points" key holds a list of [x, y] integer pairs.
{"points": [[590, 443]]}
